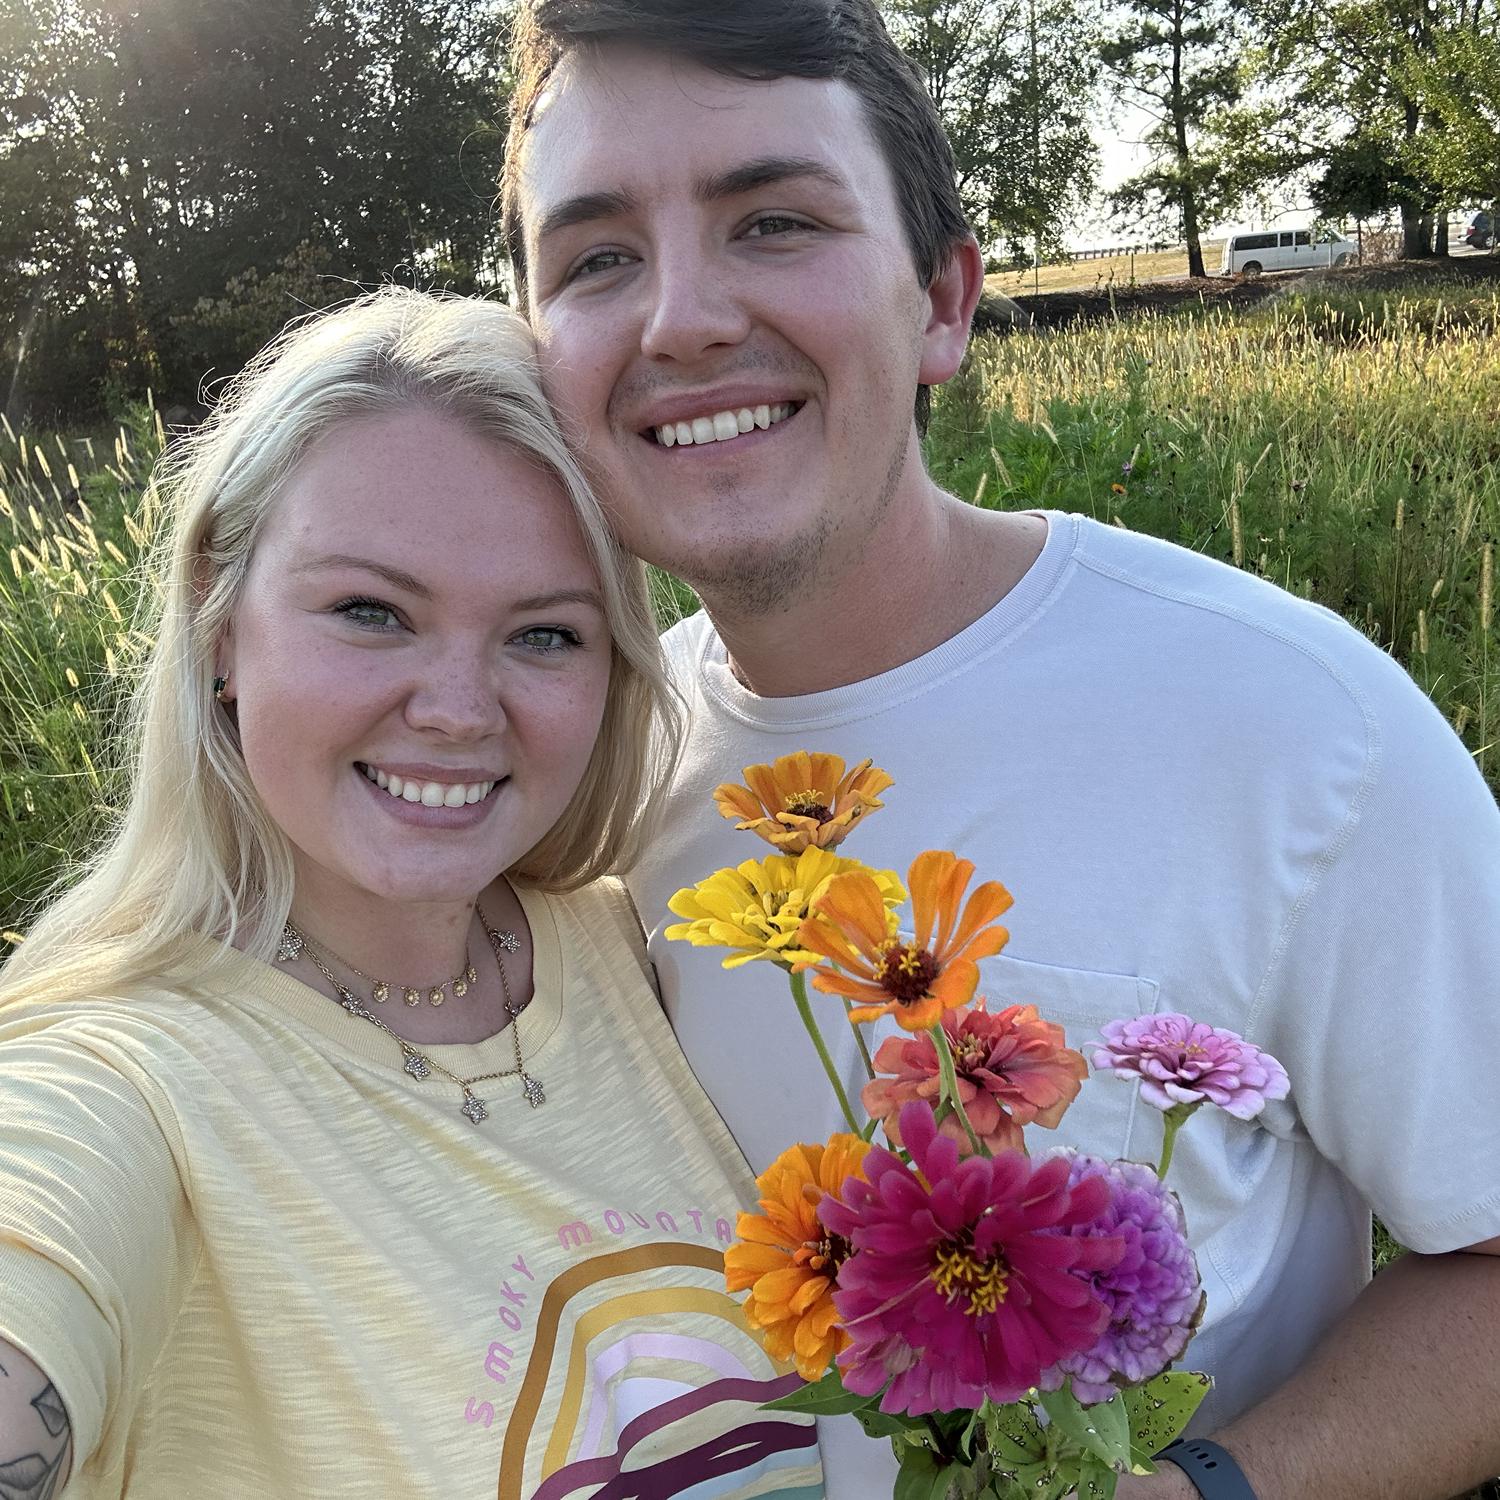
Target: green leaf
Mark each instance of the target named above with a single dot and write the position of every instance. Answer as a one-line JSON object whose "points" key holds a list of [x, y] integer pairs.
{"points": [[879, 1424], [1013, 1435], [1044, 1482], [921, 1477], [826, 1398], [1161, 1408], [1097, 1481], [1102, 1431]]}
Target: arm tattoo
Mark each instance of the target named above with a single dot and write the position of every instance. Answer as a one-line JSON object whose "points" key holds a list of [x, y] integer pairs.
{"points": [[34, 1476]]}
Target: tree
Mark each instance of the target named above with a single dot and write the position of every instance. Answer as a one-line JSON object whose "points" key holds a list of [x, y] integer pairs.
{"points": [[1176, 60], [1460, 87], [1013, 81]]}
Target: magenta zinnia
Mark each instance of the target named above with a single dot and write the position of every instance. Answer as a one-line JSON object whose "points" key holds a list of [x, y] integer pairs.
{"points": [[1153, 1292], [1180, 1061], [969, 1277]]}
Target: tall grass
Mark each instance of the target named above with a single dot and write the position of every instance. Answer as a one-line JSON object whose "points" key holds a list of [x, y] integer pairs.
{"points": [[1344, 448]]}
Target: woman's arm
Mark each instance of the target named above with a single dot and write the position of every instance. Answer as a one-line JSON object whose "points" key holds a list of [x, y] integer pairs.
{"points": [[36, 1442]]}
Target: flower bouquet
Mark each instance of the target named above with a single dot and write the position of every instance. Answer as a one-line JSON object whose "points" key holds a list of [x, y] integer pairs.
{"points": [[1008, 1321]]}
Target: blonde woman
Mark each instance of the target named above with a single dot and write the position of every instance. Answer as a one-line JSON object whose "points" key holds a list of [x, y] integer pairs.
{"points": [[343, 1148]]}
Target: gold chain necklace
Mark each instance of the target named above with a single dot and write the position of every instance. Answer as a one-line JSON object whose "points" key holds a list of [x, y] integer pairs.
{"points": [[418, 1064], [292, 943]]}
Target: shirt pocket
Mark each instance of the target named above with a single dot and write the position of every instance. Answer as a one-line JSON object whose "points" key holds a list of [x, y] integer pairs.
{"points": [[1106, 1119]]}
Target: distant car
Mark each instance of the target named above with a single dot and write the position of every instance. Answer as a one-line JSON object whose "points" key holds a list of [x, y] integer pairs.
{"points": [[1481, 232], [1285, 250]]}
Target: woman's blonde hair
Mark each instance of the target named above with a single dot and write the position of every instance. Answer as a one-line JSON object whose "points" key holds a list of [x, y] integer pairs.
{"points": [[194, 851]]}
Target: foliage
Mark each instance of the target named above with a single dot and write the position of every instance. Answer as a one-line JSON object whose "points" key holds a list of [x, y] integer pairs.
{"points": [[1177, 60], [1013, 81], [152, 157], [1460, 83]]}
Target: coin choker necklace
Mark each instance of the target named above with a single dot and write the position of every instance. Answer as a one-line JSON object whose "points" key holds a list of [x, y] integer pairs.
{"points": [[418, 1064], [292, 943]]}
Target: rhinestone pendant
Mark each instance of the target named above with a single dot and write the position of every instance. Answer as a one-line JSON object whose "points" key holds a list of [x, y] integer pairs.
{"points": [[417, 1066], [435, 995], [290, 946], [509, 941], [460, 988], [533, 1091], [412, 997], [470, 975], [381, 993], [474, 1108]]}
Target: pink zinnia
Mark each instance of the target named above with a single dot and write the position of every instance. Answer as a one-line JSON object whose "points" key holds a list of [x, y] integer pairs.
{"points": [[1013, 1069], [968, 1280], [1182, 1061]]}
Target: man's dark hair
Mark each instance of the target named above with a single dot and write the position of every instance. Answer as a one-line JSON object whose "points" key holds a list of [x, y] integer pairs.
{"points": [[762, 39]]}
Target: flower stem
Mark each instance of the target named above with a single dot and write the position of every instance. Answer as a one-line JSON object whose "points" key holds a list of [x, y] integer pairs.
{"points": [[950, 1085], [799, 994], [859, 1037]]}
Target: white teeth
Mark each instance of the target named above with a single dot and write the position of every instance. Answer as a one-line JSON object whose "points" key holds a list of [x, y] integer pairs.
{"points": [[430, 793], [721, 426]]}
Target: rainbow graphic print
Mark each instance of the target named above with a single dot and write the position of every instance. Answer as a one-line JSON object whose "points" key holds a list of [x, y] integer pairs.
{"points": [[642, 1381]]}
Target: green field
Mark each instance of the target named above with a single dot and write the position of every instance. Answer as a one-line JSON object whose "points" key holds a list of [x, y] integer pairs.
{"points": [[1342, 444]]}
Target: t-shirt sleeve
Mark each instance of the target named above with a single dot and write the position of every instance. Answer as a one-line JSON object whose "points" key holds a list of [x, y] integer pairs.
{"points": [[97, 1245], [1384, 1004]]}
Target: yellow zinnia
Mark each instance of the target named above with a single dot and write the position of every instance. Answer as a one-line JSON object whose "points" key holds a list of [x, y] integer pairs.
{"points": [[758, 908], [804, 800]]}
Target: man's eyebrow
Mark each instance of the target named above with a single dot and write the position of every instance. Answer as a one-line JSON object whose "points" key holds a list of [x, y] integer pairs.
{"points": [[584, 208], [393, 576], [765, 171]]}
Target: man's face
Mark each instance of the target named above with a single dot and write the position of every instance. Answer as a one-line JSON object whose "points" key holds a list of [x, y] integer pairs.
{"points": [[723, 260]]}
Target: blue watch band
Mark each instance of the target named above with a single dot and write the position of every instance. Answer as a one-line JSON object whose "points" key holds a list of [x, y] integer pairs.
{"points": [[1214, 1473]]}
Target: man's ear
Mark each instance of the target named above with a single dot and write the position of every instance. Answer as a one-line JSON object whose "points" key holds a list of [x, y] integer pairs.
{"points": [[951, 300]]}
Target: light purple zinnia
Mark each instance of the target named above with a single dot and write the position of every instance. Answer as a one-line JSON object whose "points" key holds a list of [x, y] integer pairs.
{"points": [[1153, 1294], [1182, 1061]]}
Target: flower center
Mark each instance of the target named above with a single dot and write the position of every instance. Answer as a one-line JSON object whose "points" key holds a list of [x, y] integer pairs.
{"points": [[824, 1256], [958, 1272], [970, 1052], [809, 804], [906, 972]]}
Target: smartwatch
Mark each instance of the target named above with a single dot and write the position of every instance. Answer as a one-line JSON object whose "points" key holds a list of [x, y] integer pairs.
{"points": [[1214, 1473]]}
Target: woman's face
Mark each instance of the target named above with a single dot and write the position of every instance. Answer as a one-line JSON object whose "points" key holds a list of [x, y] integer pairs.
{"points": [[420, 611]]}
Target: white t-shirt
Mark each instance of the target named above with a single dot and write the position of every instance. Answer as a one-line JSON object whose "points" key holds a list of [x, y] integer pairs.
{"points": [[1206, 796]]}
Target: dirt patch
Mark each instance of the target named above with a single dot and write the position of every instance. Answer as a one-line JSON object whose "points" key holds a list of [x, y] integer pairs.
{"points": [[997, 314]]}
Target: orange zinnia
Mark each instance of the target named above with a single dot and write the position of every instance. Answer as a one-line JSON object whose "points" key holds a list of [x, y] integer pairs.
{"points": [[787, 1258], [917, 981], [803, 800]]}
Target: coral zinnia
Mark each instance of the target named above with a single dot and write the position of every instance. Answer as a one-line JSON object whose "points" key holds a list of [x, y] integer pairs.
{"points": [[787, 1258], [1012, 1067], [758, 908], [1154, 1296], [1180, 1061], [803, 800], [969, 1277], [917, 981]]}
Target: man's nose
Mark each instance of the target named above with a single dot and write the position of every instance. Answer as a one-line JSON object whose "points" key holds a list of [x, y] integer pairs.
{"points": [[695, 307]]}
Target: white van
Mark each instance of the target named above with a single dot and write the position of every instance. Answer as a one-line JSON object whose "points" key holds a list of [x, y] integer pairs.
{"points": [[1285, 250]]}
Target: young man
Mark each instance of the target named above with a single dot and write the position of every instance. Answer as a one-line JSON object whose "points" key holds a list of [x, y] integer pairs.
{"points": [[736, 235]]}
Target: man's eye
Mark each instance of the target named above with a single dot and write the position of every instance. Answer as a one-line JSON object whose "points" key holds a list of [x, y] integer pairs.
{"points": [[774, 224], [597, 262], [548, 639], [369, 613]]}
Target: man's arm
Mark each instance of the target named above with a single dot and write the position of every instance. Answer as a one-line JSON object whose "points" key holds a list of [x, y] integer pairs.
{"points": [[1398, 1401], [36, 1442]]}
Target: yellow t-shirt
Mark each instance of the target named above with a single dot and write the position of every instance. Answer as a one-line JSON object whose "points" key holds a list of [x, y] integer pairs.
{"points": [[257, 1259]]}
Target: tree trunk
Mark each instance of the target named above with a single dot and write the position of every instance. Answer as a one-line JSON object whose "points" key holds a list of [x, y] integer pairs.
{"points": [[1414, 240], [1184, 158], [1440, 242]]}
